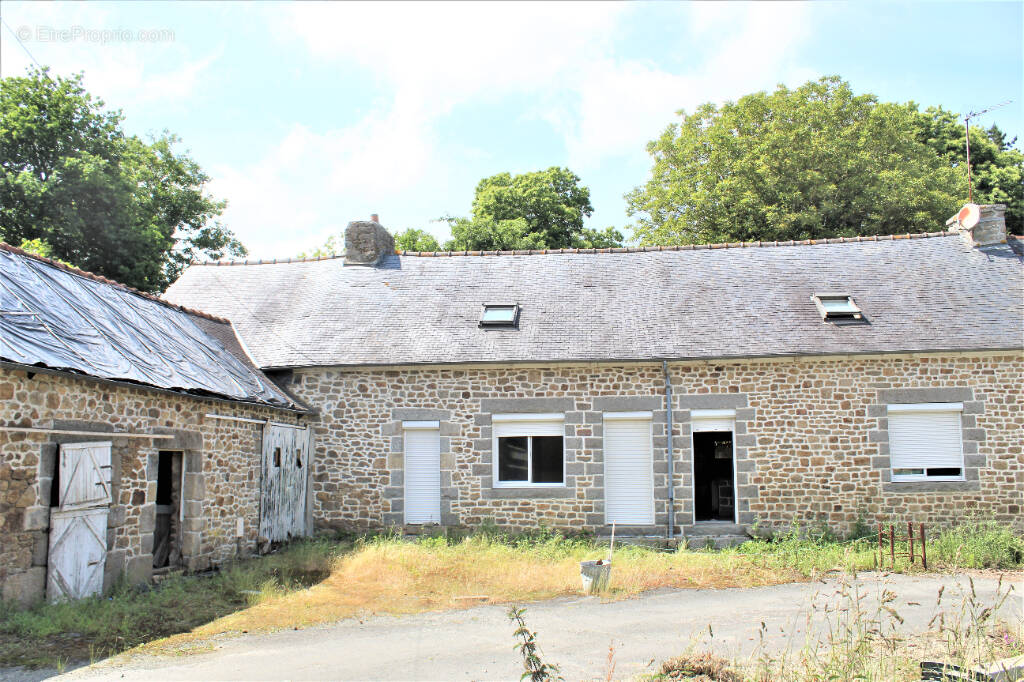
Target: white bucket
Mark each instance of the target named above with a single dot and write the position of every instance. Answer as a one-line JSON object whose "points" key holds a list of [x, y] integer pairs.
{"points": [[595, 575]]}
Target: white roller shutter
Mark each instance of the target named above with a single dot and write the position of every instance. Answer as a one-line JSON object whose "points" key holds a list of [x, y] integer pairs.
{"points": [[712, 420], [628, 471], [422, 472], [926, 436], [528, 425]]}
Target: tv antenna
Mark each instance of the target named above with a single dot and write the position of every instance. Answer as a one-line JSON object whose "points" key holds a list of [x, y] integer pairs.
{"points": [[967, 136]]}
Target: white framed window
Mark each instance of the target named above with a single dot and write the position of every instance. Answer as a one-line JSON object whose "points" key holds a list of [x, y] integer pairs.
{"points": [[926, 442], [528, 450], [837, 306]]}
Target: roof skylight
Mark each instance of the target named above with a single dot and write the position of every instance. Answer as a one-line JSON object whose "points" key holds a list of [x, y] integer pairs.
{"points": [[837, 307], [500, 315]]}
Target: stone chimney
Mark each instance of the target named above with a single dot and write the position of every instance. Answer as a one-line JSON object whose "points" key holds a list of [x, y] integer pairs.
{"points": [[367, 242], [989, 229]]}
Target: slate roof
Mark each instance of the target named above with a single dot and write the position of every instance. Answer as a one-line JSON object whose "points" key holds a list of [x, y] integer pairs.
{"points": [[918, 292], [61, 318]]}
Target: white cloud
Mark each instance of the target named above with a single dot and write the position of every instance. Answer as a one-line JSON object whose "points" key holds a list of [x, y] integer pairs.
{"points": [[129, 72]]}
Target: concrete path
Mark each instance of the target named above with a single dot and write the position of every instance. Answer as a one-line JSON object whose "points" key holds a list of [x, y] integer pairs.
{"points": [[476, 644]]}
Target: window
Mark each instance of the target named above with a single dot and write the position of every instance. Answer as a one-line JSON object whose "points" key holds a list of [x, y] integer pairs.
{"points": [[925, 442], [504, 315], [529, 450], [837, 307]]}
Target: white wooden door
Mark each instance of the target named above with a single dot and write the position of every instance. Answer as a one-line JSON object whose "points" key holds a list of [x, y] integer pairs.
{"points": [[283, 487], [78, 527], [84, 475], [422, 472], [628, 470], [78, 552]]}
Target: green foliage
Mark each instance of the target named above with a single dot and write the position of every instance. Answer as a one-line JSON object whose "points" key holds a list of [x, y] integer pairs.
{"points": [[978, 544], [334, 246], [130, 210], [416, 240], [818, 161], [538, 210], [536, 670], [997, 168], [132, 615]]}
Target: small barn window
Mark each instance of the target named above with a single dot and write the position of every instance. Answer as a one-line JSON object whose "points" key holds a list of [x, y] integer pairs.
{"points": [[837, 307], [277, 457], [500, 315], [298, 458]]}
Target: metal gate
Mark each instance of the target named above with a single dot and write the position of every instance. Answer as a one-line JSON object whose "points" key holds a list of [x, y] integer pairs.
{"points": [[78, 528], [286, 458]]}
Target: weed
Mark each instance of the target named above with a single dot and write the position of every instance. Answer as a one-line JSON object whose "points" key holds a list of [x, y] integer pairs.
{"points": [[536, 669], [706, 667]]}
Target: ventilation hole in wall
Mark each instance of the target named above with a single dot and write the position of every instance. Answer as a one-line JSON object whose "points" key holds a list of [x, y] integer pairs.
{"points": [[277, 457], [298, 458]]}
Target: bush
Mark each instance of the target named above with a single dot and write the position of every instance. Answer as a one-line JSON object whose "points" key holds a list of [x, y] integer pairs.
{"points": [[978, 544]]}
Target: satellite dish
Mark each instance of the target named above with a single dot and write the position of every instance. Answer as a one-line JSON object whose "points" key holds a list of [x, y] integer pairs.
{"points": [[969, 216]]}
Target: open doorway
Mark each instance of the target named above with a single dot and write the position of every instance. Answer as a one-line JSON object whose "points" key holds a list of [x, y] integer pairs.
{"points": [[167, 534], [714, 497]]}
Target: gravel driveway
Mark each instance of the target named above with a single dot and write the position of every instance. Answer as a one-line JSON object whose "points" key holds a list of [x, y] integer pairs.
{"points": [[476, 644]]}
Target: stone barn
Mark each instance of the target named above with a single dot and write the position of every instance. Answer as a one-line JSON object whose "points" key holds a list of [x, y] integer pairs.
{"points": [[136, 436]]}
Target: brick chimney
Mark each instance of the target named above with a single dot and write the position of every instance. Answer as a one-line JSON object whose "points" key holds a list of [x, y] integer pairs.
{"points": [[989, 229], [367, 242]]}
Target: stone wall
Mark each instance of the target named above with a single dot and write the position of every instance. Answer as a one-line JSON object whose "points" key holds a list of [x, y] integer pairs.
{"points": [[810, 438], [221, 484]]}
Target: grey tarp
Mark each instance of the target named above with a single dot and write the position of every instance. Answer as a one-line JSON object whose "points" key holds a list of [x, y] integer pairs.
{"points": [[61, 320]]}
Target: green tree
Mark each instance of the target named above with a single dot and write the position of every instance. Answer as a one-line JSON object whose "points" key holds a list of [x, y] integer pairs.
{"points": [[814, 162], [416, 240], [131, 210], [997, 168], [539, 210]]}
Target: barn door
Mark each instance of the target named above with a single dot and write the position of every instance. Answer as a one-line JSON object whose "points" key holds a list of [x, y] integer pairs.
{"points": [[78, 551], [78, 527], [283, 491]]}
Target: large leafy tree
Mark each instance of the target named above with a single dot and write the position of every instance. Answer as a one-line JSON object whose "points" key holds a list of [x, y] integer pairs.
{"points": [[132, 210], [818, 161], [540, 210], [997, 168]]}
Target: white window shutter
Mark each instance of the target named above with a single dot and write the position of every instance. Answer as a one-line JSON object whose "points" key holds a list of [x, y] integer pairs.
{"points": [[702, 421], [628, 472], [422, 475], [925, 439], [528, 425]]}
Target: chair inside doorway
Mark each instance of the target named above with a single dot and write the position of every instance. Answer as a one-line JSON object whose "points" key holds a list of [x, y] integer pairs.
{"points": [[714, 498]]}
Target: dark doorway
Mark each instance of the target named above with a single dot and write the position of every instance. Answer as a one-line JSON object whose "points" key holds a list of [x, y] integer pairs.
{"points": [[166, 545], [714, 499]]}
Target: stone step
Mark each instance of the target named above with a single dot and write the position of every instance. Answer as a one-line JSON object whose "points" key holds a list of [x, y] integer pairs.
{"points": [[715, 541], [715, 528]]}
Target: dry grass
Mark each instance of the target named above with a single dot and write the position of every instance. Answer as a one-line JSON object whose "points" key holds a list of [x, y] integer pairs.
{"points": [[396, 577]]}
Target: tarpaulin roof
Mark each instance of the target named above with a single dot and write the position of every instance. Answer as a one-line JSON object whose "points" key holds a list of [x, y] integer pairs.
{"points": [[65, 319]]}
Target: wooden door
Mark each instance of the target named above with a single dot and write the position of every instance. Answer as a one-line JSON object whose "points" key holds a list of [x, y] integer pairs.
{"points": [[84, 475], [78, 527], [283, 488], [78, 552]]}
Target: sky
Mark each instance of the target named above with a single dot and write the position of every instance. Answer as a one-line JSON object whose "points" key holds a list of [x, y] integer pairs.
{"points": [[309, 115]]}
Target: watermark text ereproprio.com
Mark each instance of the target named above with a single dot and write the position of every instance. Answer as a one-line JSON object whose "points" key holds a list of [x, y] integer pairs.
{"points": [[103, 36]]}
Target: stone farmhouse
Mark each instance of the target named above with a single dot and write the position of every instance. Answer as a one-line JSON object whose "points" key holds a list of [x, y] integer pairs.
{"points": [[684, 390], [672, 391]]}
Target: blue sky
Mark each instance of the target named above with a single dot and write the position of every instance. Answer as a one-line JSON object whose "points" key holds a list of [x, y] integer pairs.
{"points": [[311, 115]]}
